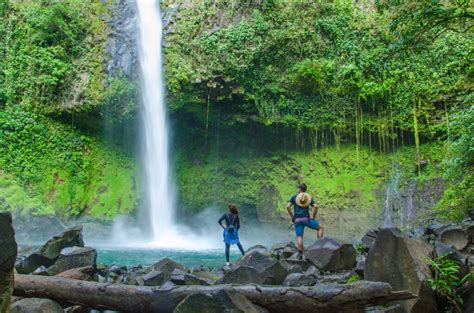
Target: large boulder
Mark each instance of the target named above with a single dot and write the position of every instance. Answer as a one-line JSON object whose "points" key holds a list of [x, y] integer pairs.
{"points": [[331, 255], [273, 272], [154, 278], [307, 278], [179, 277], [8, 250], [224, 301], [242, 275], [455, 236], [35, 305], [402, 262], [283, 250], [258, 248], [49, 252], [73, 257], [369, 238], [167, 266], [69, 238]]}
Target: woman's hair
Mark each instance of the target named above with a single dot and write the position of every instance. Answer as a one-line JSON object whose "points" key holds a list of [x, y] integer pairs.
{"points": [[233, 209]]}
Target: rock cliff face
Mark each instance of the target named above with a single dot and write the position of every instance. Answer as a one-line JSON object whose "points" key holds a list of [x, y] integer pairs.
{"points": [[121, 47], [8, 250]]}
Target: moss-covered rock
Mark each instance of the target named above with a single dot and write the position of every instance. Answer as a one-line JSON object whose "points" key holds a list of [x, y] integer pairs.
{"points": [[8, 250]]}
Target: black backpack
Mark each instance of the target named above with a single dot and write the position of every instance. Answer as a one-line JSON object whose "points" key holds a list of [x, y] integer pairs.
{"points": [[231, 228]]}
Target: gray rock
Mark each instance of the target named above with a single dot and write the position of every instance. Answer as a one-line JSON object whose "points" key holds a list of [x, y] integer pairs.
{"points": [[42, 271], [300, 279], [266, 266], [73, 257], [223, 301], [455, 236], [35, 305], [470, 212], [70, 238], [242, 275], [335, 278], [167, 266], [390, 309], [49, 252], [154, 278], [401, 262], [369, 238], [258, 248], [331, 255], [283, 250], [7, 259], [179, 277], [77, 309]]}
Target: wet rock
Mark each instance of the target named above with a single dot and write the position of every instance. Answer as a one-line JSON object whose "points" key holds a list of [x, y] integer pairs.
{"points": [[7, 259], [154, 278], [331, 255], [35, 305], [369, 238], [73, 257], [268, 267], [308, 278], [135, 276], [49, 252], [455, 236], [401, 261], [359, 268], [283, 250], [434, 227], [167, 266], [179, 277], [293, 263], [82, 273], [42, 271], [258, 248], [242, 275], [222, 302], [70, 238]]}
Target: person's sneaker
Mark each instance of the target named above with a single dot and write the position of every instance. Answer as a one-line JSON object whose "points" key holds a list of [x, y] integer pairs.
{"points": [[227, 264], [300, 256]]}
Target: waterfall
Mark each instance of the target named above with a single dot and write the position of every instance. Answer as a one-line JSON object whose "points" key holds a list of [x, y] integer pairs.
{"points": [[392, 201], [160, 191], [160, 209]]}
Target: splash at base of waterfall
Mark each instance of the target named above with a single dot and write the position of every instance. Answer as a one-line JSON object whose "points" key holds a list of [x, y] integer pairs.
{"points": [[176, 237]]}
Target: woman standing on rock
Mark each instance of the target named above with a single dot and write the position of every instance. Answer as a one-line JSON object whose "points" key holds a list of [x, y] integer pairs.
{"points": [[231, 230]]}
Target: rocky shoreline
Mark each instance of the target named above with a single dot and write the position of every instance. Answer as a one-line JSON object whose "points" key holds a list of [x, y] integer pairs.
{"points": [[392, 264]]}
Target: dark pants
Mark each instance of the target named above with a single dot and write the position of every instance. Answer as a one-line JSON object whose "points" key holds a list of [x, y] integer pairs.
{"points": [[227, 250]]}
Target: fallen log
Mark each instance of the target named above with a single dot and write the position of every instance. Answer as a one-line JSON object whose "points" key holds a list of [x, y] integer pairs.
{"points": [[127, 298]]}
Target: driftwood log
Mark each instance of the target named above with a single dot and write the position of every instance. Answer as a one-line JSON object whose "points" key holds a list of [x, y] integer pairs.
{"points": [[127, 298]]}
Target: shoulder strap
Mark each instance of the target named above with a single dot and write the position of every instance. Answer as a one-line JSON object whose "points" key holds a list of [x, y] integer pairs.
{"points": [[233, 219]]}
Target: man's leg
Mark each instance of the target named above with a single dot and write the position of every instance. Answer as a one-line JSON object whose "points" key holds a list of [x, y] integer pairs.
{"points": [[320, 232], [299, 229]]}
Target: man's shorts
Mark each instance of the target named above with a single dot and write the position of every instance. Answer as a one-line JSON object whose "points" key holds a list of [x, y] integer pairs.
{"points": [[299, 226]]}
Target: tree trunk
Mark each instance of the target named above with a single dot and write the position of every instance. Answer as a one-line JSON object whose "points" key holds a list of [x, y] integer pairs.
{"points": [[320, 298]]}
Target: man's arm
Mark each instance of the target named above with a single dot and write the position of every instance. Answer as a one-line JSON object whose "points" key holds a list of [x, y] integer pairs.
{"points": [[290, 211]]}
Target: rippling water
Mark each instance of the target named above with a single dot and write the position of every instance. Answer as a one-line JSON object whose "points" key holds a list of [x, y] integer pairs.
{"points": [[212, 258]]}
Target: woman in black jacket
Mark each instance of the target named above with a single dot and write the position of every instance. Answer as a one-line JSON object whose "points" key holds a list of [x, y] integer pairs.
{"points": [[231, 230]]}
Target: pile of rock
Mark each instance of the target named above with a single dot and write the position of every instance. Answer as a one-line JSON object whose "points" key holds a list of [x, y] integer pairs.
{"points": [[61, 253], [401, 259]]}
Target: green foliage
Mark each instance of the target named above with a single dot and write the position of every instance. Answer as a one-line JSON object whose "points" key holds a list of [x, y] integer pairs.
{"points": [[50, 168], [53, 56], [120, 98], [354, 278], [447, 281]]}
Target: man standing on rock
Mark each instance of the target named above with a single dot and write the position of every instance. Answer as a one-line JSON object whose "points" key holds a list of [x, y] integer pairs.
{"points": [[300, 216]]}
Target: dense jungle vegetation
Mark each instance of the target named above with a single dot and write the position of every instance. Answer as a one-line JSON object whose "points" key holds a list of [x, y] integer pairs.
{"points": [[262, 94]]}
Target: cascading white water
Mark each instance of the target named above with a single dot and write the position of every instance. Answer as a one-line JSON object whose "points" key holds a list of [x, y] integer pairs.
{"points": [[159, 187]]}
